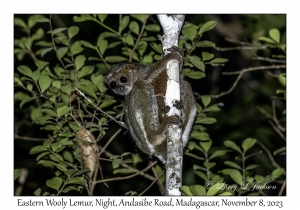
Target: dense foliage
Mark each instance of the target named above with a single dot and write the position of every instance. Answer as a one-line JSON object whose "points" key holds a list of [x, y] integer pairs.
{"points": [[237, 144]]}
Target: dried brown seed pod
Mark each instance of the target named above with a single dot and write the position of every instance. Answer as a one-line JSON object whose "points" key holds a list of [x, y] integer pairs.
{"points": [[89, 150]]}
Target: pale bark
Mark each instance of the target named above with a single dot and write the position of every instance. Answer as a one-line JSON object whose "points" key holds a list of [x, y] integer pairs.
{"points": [[171, 26]]}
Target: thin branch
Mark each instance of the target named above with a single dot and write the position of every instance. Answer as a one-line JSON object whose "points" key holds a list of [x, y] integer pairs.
{"points": [[100, 110], [108, 142], [277, 130], [152, 183], [124, 165], [127, 177], [241, 73], [269, 60], [269, 154], [138, 39], [158, 182], [282, 188], [16, 136]]}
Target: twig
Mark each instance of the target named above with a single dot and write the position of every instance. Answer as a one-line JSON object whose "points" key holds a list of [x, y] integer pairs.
{"points": [[16, 136], [240, 76], [108, 142], [152, 183], [127, 177], [282, 188], [108, 154], [138, 39], [158, 182], [277, 130], [269, 60], [105, 114], [269, 154], [22, 180]]}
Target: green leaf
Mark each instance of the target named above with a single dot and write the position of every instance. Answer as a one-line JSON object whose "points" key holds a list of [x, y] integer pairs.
{"points": [[18, 81], [87, 44], [124, 22], [77, 180], [201, 175], [275, 35], [45, 51], [107, 102], [267, 39], [55, 146], [82, 18], [197, 190], [43, 154], [142, 46], [248, 143], [282, 79], [213, 189], [134, 27], [49, 112], [236, 176], [209, 165], [76, 48], [259, 179], [19, 22], [61, 111], [218, 60], [61, 52], [218, 153], [139, 17], [61, 167], [38, 34], [152, 27], [25, 70], [277, 172], [82, 171], [156, 47], [232, 145], [102, 17], [206, 100], [206, 145], [42, 20], [207, 56], [87, 90], [195, 74], [129, 40], [17, 173], [57, 30], [37, 149], [205, 43], [79, 61], [280, 150], [54, 183], [66, 89], [123, 171], [185, 191], [103, 46], [44, 82], [207, 26], [47, 163], [72, 31], [190, 32], [202, 136], [251, 166], [206, 120], [225, 194], [115, 59], [86, 70], [232, 164], [68, 156], [70, 172], [37, 192]]}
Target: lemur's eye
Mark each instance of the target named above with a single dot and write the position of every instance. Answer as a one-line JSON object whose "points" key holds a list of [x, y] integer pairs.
{"points": [[123, 79], [112, 85]]}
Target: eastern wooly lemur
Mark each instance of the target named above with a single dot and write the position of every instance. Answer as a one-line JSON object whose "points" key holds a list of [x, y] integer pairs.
{"points": [[144, 89]]}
